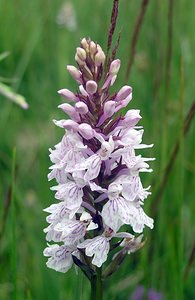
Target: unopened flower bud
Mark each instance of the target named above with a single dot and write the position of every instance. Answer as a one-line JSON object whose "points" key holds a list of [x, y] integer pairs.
{"points": [[113, 80], [93, 48], [109, 108], [70, 110], [99, 58], [75, 73], [131, 118], [81, 108], [91, 87], [68, 95], [86, 131], [67, 107], [84, 43], [124, 92], [132, 113], [81, 53], [83, 91], [67, 124], [99, 48], [115, 66], [79, 61]]}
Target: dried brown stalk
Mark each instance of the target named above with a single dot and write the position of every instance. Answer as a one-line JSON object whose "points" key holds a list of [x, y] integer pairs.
{"points": [[135, 36], [189, 264], [113, 22]]}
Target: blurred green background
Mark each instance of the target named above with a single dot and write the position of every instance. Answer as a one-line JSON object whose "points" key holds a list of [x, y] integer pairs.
{"points": [[41, 36]]}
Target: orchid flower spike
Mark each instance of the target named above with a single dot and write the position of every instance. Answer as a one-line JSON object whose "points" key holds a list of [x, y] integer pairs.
{"points": [[97, 170]]}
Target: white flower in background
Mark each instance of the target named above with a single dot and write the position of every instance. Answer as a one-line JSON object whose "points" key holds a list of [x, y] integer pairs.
{"points": [[67, 16]]}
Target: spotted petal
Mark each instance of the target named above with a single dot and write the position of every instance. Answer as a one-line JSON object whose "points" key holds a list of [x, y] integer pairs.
{"points": [[72, 231], [115, 212], [99, 247], [92, 165], [60, 258]]}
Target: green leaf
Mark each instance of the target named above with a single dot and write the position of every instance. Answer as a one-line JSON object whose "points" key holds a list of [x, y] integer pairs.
{"points": [[86, 269], [7, 92], [4, 55]]}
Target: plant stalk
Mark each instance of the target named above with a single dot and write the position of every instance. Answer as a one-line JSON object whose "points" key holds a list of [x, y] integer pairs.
{"points": [[97, 286]]}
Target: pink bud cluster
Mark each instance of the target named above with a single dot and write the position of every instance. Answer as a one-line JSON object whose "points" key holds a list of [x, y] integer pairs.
{"points": [[96, 168]]}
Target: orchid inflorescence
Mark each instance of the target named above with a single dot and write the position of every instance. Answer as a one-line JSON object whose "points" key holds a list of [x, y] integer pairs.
{"points": [[96, 169]]}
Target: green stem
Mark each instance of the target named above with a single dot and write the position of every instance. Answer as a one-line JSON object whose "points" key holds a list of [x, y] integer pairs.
{"points": [[96, 285]]}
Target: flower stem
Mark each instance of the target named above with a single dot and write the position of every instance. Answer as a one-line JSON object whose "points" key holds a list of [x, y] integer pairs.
{"points": [[96, 285]]}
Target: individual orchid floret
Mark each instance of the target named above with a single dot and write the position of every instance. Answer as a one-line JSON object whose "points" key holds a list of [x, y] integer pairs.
{"points": [[124, 92], [116, 212], [81, 108], [71, 111], [60, 257], [114, 67], [131, 245], [75, 73], [92, 164], [99, 58], [71, 193], [85, 44], [83, 91], [86, 131], [74, 230], [81, 54], [121, 210], [57, 212], [66, 124], [97, 170], [131, 118], [109, 108], [92, 48], [133, 189], [52, 234], [68, 95], [123, 97], [112, 74], [67, 154], [97, 247]]}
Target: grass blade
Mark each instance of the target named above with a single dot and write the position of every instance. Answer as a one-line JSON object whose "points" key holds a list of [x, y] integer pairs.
{"points": [[13, 229], [9, 94]]}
